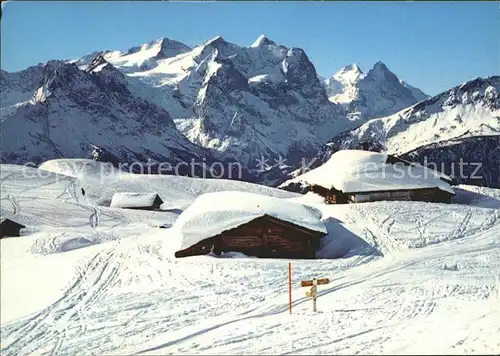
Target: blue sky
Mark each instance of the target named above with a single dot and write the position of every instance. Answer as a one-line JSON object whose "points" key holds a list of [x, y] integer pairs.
{"points": [[431, 45]]}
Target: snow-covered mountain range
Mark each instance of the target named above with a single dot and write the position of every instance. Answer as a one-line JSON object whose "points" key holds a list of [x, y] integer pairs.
{"points": [[243, 102], [467, 110], [374, 94], [73, 111], [168, 102]]}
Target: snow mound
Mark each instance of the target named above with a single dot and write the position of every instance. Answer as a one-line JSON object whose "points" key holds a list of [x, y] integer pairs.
{"points": [[477, 196], [78, 167], [343, 241], [101, 181], [24, 182], [213, 213], [76, 243], [233, 254], [363, 171]]}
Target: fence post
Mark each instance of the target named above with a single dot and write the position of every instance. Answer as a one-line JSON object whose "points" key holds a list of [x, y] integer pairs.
{"points": [[290, 286]]}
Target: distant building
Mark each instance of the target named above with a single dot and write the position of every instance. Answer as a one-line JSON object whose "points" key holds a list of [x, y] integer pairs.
{"points": [[252, 224], [141, 201], [355, 176], [10, 228]]}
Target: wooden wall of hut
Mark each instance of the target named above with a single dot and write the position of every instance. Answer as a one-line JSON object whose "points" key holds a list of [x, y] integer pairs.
{"points": [[264, 237], [425, 194]]}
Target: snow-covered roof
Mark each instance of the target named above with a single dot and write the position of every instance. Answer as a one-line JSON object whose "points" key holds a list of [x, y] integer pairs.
{"points": [[212, 213], [133, 200], [354, 171]]}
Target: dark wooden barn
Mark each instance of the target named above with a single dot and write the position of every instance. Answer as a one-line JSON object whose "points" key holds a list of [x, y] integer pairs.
{"points": [[10, 228], [265, 237], [427, 193]]}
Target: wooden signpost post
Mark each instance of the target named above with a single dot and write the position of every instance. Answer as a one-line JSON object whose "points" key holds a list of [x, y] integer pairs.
{"points": [[290, 287], [313, 292]]}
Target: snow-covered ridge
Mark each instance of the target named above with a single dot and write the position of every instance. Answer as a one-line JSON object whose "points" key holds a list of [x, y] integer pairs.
{"points": [[72, 110], [374, 94], [470, 109]]}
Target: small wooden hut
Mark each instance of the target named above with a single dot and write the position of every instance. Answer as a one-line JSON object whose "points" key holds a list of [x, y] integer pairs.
{"points": [[253, 224], [10, 228], [353, 176], [265, 237]]}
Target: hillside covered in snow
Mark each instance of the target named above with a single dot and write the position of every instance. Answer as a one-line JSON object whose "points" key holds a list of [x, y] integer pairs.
{"points": [[85, 277]]}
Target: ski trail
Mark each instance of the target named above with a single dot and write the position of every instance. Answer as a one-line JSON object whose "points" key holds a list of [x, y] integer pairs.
{"points": [[50, 326], [415, 307]]}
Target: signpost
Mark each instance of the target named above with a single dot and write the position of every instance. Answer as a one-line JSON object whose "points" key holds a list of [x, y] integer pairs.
{"points": [[313, 283], [313, 292], [319, 281]]}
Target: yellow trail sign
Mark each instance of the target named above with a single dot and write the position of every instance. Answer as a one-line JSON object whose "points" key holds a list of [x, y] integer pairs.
{"points": [[319, 281]]}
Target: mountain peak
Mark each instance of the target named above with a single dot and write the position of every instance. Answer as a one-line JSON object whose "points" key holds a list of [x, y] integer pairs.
{"points": [[165, 46], [380, 72], [170, 48], [96, 63], [215, 41], [380, 66], [262, 40], [350, 74], [351, 68]]}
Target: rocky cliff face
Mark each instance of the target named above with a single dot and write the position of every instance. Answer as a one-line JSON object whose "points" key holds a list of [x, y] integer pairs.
{"points": [[73, 111], [471, 160]]}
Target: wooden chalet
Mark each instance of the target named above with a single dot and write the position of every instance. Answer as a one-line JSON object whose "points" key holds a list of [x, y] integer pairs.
{"points": [[334, 196], [265, 237], [10, 228], [379, 182]]}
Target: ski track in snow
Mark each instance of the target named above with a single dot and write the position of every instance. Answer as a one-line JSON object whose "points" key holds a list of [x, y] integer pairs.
{"points": [[126, 295]]}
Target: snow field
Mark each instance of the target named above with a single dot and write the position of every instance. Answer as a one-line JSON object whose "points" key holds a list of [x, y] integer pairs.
{"points": [[396, 290]]}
